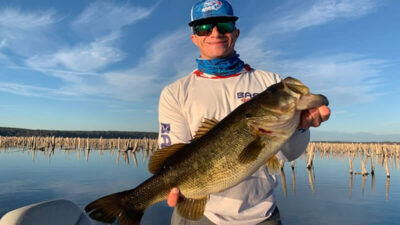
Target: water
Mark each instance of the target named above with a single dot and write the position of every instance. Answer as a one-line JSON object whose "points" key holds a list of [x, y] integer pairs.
{"points": [[327, 194], [336, 197]]}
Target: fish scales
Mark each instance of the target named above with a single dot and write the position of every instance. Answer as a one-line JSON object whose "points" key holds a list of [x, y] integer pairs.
{"points": [[216, 172], [224, 156]]}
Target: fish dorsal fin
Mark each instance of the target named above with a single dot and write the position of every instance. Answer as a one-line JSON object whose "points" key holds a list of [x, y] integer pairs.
{"points": [[191, 209], [206, 126], [157, 160]]}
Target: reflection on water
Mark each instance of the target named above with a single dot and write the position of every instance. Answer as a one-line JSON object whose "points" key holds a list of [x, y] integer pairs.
{"points": [[358, 185], [383, 156], [28, 176], [311, 178], [326, 183]]}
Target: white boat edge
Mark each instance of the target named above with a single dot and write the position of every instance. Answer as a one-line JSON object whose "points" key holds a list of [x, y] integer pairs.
{"points": [[60, 212]]}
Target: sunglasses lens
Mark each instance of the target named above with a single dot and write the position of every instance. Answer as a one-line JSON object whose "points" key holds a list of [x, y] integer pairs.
{"points": [[203, 29], [226, 27], [206, 29]]}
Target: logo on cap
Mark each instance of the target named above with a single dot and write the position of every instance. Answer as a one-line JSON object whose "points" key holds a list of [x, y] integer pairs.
{"points": [[211, 5]]}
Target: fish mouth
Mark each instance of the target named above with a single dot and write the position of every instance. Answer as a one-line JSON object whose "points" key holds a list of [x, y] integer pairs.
{"points": [[306, 100], [311, 101]]}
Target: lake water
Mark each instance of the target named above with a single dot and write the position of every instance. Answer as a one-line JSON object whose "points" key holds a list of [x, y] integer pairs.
{"points": [[327, 194]]}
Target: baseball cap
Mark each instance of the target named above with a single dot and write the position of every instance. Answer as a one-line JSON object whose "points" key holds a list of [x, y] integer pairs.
{"points": [[205, 10]]}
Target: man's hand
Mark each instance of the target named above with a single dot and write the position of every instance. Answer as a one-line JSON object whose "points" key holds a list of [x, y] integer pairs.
{"points": [[173, 197], [314, 117]]}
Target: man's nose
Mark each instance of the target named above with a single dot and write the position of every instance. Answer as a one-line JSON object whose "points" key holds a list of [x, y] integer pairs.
{"points": [[215, 32]]}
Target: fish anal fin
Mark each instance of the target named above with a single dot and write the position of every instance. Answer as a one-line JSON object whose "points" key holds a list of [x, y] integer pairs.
{"points": [[251, 151], [191, 209], [205, 126], [158, 158]]}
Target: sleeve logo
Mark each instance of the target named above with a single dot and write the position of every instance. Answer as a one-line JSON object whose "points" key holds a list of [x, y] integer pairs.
{"points": [[165, 129]]}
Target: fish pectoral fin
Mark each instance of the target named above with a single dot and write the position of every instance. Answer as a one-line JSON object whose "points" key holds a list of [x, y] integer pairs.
{"points": [[191, 209], [251, 151], [206, 126], [273, 164], [158, 158]]}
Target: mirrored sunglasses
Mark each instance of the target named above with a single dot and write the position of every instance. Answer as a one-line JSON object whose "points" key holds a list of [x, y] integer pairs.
{"points": [[206, 29]]}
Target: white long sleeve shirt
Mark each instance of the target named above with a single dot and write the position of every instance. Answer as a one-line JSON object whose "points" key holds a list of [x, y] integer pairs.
{"points": [[183, 106]]}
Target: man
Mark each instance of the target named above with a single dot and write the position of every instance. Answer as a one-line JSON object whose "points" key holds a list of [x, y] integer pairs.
{"points": [[220, 84]]}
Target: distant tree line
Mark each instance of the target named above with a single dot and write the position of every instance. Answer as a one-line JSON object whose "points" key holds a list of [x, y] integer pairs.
{"points": [[20, 132]]}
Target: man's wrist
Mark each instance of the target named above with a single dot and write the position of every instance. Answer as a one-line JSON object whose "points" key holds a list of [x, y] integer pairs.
{"points": [[302, 130]]}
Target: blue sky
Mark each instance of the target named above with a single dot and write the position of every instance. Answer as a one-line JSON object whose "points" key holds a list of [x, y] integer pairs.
{"points": [[100, 65]]}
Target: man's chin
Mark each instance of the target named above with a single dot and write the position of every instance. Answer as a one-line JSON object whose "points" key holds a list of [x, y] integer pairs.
{"points": [[221, 54]]}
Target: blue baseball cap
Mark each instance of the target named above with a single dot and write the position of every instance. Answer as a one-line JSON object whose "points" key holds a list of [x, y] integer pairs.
{"points": [[206, 10]]}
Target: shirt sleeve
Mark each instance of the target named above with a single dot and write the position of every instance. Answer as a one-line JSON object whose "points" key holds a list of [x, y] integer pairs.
{"points": [[173, 127], [295, 146]]}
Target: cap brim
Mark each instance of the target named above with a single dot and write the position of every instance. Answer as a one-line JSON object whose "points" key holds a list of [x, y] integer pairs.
{"points": [[214, 19]]}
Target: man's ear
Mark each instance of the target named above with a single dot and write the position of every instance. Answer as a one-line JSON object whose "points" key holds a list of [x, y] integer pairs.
{"points": [[237, 31], [194, 39]]}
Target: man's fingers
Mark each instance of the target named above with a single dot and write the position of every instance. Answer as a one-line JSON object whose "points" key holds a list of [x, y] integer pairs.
{"points": [[173, 197], [324, 112], [316, 120], [314, 117], [306, 118]]}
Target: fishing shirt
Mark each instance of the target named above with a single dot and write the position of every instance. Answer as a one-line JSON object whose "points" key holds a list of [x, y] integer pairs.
{"points": [[185, 103]]}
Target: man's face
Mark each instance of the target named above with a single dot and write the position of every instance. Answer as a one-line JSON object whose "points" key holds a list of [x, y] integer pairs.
{"points": [[216, 45]]}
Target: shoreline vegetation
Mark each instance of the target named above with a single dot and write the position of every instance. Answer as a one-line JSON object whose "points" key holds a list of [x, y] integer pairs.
{"points": [[377, 153], [48, 143], [21, 132]]}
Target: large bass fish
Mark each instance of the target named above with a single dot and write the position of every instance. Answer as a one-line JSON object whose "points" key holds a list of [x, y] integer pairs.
{"points": [[221, 155]]}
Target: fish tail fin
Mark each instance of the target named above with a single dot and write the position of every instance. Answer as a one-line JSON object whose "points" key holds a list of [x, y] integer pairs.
{"points": [[115, 206], [273, 165]]}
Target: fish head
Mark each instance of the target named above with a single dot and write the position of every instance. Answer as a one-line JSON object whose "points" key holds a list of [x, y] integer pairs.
{"points": [[277, 110]]}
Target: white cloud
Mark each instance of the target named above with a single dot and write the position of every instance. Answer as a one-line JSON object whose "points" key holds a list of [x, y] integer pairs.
{"points": [[81, 58], [80, 66], [76, 65], [25, 90], [345, 78], [167, 58], [102, 17], [13, 18], [3, 43], [324, 11], [26, 32], [294, 18]]}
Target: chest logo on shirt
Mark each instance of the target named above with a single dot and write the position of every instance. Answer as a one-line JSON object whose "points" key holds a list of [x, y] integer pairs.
{"points": [[245, 96]]}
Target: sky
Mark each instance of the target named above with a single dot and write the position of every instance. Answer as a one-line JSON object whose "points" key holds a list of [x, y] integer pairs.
{"points": [[101, 65]]}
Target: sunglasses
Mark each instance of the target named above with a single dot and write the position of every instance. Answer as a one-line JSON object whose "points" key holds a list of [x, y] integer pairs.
{"points": [[206, 29]]}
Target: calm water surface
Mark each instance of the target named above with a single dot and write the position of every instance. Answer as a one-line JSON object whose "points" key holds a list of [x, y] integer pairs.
{"points": [[327, 194]]}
